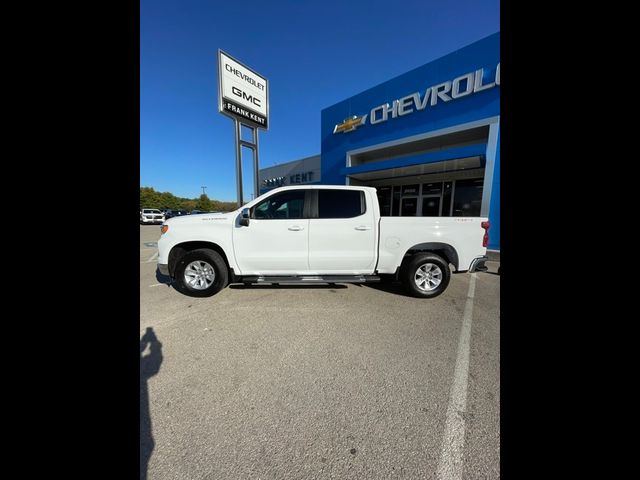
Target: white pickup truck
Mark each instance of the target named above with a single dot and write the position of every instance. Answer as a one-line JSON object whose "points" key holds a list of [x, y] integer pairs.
{"points": [[319, 234]]}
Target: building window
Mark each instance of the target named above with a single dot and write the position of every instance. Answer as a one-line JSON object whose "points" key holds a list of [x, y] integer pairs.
{"points": [[432, 188], [467, 198], [431, 206], [411, 189], [409, 207], [384, 199], [395, 211], [446, 199]]}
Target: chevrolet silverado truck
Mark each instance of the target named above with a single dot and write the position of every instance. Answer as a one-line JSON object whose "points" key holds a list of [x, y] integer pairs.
{"points": [[319, 234]]}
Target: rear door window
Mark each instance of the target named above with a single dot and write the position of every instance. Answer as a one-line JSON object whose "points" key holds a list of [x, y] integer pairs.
{"points": [[340, 203]]}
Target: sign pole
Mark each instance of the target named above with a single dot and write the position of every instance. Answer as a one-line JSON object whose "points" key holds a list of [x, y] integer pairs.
{"points": [[256, 168], [243, 94], [238, 163]]}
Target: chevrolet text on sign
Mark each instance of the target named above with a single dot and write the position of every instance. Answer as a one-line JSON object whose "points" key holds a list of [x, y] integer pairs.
{"points": [[467, 84], [243, 93]]}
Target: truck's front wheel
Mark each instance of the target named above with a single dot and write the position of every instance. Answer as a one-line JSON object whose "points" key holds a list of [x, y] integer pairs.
{"points": [[201, 273], [425, 275]]}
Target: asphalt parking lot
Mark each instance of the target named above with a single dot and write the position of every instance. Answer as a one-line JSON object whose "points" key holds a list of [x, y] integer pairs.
{"points": [[324, 381]]}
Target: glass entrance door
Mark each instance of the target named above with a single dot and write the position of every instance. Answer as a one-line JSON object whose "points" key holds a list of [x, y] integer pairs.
{"points": [[431, 206], [409, 207], [462, 197]]}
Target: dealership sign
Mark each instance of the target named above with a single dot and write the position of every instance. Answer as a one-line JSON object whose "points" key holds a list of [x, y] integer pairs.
{"points": [[280, 181], [242, 93], [459, 87]]}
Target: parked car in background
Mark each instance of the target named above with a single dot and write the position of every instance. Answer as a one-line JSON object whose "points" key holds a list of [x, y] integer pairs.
{"points": [[196, 212], [174, 213], [151, 216]]}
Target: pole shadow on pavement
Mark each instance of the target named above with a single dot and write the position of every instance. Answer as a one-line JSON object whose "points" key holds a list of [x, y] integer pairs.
{"points": [[149, 366]]}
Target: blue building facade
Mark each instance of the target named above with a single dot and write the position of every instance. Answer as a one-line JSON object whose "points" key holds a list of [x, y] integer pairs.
{"points": [[428, 140]]}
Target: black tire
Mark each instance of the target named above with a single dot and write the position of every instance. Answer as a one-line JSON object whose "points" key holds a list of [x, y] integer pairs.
{"points": [[213, 258], [411, 265]]}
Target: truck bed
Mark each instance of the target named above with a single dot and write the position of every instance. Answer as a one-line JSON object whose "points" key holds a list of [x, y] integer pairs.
{"points": [[398, 234]]}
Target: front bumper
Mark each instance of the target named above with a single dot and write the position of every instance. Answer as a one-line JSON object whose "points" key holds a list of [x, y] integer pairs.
{"points": [[163, 269], [478, 264]]}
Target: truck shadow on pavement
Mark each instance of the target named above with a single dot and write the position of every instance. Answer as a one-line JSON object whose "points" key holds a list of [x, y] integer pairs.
{"points": [[149, 366], [393, 287]]}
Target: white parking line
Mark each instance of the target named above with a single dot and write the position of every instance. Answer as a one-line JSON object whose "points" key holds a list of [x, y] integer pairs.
{"points": [[158, 284], [451, 454], [153, 257]]}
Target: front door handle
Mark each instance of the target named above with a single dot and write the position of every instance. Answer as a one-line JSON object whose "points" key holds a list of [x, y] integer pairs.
{"points": [[363, 227], [296, 228]]}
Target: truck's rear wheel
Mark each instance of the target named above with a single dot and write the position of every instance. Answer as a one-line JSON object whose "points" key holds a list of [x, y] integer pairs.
{"points": [[201, 273], [425, 275]]}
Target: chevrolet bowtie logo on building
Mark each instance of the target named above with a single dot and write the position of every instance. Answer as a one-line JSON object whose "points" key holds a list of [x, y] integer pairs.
{"points": [[350, 124]]}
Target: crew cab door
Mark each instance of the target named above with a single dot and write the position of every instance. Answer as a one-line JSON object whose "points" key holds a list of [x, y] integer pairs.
{"points": [[276, 242], [342, 232]]}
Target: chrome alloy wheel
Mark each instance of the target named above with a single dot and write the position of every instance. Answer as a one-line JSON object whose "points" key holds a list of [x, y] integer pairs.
{"points": [[428, 277], [199, 275]]}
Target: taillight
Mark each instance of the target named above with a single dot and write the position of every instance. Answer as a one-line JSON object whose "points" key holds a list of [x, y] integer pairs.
{"points": [[485, 238]]}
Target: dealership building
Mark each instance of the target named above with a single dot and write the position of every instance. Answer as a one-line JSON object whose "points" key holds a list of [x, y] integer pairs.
{"points": [[428, 140]]}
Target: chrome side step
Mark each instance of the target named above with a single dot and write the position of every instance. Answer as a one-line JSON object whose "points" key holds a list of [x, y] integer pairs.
{"points": [[311, 279]]}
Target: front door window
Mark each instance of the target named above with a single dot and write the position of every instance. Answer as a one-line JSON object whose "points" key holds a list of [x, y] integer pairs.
{"points": [[285, 205]]}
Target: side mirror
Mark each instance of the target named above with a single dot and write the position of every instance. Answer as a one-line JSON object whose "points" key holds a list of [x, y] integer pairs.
{"points": [[244, 218]]}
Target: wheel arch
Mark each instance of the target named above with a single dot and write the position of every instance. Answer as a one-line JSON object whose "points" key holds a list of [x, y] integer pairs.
{"points": [[445, 250], [178, 250]]}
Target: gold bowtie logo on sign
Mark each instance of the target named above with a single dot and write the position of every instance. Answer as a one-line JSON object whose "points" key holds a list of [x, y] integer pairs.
{"points": [[350, 124]]}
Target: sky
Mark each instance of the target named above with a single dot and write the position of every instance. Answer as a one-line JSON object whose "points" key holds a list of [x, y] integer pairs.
{"points": [[314, 54]]}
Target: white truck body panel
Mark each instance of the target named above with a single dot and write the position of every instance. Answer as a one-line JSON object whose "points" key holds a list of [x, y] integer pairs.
{"points": [[345, 245], [209, 228], [399, 234], [272, 247]]}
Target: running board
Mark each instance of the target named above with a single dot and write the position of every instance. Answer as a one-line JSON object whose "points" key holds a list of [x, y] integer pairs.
{"points": [[312, 279]]}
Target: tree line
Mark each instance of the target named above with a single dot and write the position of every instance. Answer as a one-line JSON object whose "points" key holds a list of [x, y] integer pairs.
{"points": [[149, 198]]}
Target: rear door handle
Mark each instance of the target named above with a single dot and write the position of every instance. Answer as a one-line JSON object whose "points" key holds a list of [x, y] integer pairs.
{"points": [[296, 228], [363, 227]]}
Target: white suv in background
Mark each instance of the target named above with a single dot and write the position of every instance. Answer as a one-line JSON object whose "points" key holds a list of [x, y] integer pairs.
{"points": [[151, 215]]}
